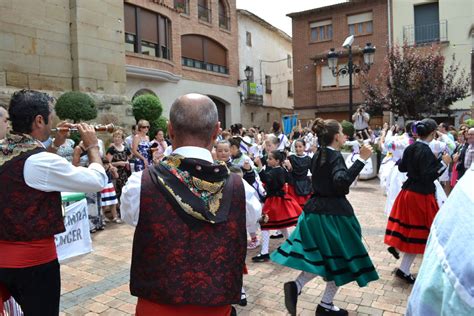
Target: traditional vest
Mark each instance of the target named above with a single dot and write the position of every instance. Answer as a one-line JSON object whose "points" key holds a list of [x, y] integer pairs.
{"points": [[179, 259], [26, 214]]}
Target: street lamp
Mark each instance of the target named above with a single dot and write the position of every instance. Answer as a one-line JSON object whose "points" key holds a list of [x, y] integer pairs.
{"points": [[351, 68], [248, 71]]}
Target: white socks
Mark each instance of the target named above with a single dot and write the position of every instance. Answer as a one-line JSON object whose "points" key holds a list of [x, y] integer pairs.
{"points": [[303, 278], [265, 242], [328, 296], [407, 261]]}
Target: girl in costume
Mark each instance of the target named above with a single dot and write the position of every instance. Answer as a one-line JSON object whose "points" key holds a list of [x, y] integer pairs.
{"points": [[327, 240], [368, 169], [395, 145], [415, 207], [280, 209], [299, 183], [223, 153]]}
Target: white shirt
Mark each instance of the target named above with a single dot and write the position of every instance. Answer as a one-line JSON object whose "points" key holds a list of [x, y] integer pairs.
{"points": [[49, 172], [361, 120], [130, 200]]}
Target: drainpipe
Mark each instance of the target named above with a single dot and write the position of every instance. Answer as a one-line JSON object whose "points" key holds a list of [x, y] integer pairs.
{"points": [[389, 31], [389, 22]]}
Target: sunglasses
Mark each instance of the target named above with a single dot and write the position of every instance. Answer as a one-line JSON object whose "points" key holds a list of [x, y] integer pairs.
{"points": [[144, 126]]}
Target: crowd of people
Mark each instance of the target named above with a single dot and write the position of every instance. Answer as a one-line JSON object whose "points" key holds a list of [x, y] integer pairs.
{"points": [[197, 191]]}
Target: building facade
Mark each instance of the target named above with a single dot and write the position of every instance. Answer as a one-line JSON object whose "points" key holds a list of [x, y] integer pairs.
{"points": [[192, 49], [62, 45], [445, 23], [115, 50], [267, 95], [318, 93]]}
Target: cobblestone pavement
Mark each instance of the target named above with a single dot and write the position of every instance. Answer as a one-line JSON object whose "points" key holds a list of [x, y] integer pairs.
{"points": [[97, 283]]}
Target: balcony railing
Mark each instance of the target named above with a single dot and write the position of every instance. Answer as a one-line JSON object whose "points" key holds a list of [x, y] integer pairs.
{"points": [[425, 34], [204, 13], [224, 22], [253, 99]]}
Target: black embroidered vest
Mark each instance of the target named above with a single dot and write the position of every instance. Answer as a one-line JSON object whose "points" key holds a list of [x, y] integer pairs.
{"points": [[178, 259], [26, 214]]}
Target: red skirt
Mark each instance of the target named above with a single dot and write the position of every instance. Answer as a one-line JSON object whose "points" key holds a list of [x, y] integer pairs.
{"points": [[300, 199], [282, 212], [146, 308], [410, 221]]}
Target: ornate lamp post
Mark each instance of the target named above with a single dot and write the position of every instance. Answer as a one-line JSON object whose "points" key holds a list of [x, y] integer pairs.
{"points": [[351, 68]]}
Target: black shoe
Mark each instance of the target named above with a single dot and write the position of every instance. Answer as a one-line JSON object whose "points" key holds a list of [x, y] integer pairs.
{"points": [[408, 278], [276, 236], [243, 299], [233, 311], [323, 311], [291, 297], [261, 258], [394, 252]]}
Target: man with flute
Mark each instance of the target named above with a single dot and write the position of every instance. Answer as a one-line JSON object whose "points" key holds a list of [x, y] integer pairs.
{"points": [[32, 178]]}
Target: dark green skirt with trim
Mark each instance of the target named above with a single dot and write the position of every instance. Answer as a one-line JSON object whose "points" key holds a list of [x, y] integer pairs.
{"points": [[329, 246]]}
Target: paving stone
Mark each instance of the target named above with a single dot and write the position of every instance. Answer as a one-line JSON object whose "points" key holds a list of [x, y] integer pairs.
{"points": [[97, 283]]}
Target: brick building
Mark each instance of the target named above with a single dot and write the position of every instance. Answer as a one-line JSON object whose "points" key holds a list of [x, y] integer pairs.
{"points": [[317, 91], [116, 49], [192, 49]]}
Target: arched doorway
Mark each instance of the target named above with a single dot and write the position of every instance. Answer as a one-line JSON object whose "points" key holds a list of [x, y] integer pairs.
{"points": [[220, 110], [143, 92]]}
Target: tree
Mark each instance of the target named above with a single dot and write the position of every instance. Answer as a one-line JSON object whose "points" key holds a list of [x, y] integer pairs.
{"points": [[160, 123], [414, 83], [147, 107], [76, 106], [348, 128]]}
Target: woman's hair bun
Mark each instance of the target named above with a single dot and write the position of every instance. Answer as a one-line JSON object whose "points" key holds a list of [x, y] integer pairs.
{"points": [[319, 127]]}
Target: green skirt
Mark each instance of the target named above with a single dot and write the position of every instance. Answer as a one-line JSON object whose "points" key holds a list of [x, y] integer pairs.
{"points": [[329, 246]]}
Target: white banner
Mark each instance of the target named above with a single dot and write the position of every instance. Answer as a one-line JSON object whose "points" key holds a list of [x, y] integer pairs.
{"points": [[76, 240]]}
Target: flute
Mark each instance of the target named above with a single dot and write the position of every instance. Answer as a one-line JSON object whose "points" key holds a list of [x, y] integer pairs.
{"points": [[110, 128]]}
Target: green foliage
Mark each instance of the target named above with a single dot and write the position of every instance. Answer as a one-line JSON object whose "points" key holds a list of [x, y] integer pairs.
{"points": [[348, 128], [76, 106], [160, 123], [469, 122], [147, 107], [415, 84]]}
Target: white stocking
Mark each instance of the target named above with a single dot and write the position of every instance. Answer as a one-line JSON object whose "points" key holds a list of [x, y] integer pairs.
{"points": [[304, 278], [265, 241], [407, 261]]}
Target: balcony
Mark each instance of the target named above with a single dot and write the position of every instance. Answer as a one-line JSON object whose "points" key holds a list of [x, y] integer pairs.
{"points": [[224, 22], [253, 99], [425, 34], [204, 14]]}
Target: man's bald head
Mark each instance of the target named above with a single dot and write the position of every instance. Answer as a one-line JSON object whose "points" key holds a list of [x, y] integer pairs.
{"points": [[194, 120]]}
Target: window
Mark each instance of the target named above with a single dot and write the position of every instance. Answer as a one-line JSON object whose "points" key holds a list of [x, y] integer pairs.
{"points": [[427, 25], [182, 6], [328, 80], [147, 33], [251, 117], [268, 117], [203, 53], [321, 31], [224, 19], [290, 88], [204, 13], [289, 60], [268, 84], [248, 37], [360, 24]]}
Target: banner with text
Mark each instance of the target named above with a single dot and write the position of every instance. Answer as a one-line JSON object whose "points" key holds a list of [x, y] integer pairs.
{"points": [[76, 240]]}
